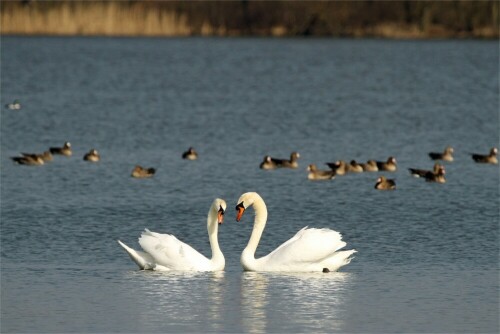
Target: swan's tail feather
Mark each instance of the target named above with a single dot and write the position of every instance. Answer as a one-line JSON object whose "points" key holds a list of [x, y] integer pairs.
{"points": [[142, 259], [340, 259]]}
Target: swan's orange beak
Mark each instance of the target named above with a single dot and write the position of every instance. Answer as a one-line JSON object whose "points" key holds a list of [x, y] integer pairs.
{"points": [[241, 209], [220, 216]]}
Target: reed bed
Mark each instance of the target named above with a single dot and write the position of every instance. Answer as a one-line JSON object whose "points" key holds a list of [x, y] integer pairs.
{"points": [[391, 19]]}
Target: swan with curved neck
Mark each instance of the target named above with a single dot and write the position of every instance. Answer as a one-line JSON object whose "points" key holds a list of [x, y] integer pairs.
{"points": [[309, 250], [165, 252]]}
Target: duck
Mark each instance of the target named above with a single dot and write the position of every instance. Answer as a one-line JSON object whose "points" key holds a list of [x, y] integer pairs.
{"points": [[486, 159], [65, 150], [190, 154], [423, 172], [316, 174], [339, 167], [437, 177], [354, 167], [16, 105], [447, 155], [370, 166], [273, 163], [140, 172], [389, 166], [92, 156], [385, 184]]}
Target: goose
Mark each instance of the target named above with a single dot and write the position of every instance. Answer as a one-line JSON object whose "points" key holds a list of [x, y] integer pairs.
{"points": [[316, 174], [437, 177], [354, 167], [140, 172], [385, 184], [370, 166], [29, 160], [310, 250], [164, 252], [486, 159], [447, 155], [46, 156], [65, 150], [339, 167], [190, 154], [423, 172], [268, 163], [273, 163], [92, 156], [390, 165]]}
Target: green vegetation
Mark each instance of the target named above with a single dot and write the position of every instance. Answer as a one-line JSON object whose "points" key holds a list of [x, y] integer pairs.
{"points": [[391, 19]]}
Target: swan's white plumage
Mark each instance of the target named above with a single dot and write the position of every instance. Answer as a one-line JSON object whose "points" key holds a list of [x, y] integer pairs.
{"points": [[310, 249], [165, 252], [171, 253]]}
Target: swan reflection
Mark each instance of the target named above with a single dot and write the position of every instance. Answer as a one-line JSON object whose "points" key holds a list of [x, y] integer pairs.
{"points": [[254, 288], [182, 300], [291, 302]]}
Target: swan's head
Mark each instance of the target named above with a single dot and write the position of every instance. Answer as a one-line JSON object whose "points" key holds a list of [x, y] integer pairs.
{"points": [[246, 200], [219, 206]]}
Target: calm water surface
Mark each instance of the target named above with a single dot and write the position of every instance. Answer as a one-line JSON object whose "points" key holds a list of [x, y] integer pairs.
{"points": [[428, 254]]}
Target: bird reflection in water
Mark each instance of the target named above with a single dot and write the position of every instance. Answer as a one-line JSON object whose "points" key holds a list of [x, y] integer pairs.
{"points": [[272, 302]]}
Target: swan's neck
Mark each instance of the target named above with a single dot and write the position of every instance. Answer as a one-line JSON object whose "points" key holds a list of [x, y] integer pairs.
{"points": [[213, 228], [248, 255]]}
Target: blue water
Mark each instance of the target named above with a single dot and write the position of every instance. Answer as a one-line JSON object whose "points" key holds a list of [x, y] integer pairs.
{"points": [[428, 254]]}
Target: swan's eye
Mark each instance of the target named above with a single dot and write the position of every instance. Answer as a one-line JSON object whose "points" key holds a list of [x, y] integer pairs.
{"points": [[221, 210], [240, 206]]}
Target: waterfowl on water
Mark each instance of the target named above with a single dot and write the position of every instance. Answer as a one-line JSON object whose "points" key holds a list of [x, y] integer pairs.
{"points": [[267, 163], [65, 150], [354, 167], [437, 177], [190, 154], [370, 166], [29, 160], [140, 172], [390, 165], [316, 174], [310, 250], [16, 105], [486, 159], [385, 184], [46, 156], [92, 156], [339, 167], [273, 163], [423, 172], [447, 155]]}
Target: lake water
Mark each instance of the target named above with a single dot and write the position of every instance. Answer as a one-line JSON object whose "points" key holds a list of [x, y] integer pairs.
{"points": [[428, 254]]}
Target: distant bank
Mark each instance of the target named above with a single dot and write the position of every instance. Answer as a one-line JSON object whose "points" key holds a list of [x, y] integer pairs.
{"points": [[387, 19]]}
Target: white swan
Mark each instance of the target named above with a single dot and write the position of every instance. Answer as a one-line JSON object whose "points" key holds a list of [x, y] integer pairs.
{"points": [[165, 252], [309, 250]]}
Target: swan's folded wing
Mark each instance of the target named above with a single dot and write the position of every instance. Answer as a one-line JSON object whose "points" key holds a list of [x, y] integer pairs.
{"points": [[170, 252], [309, 245]]}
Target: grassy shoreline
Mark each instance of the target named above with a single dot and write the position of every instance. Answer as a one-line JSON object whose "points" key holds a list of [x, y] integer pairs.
{"points": [[385, 19]]}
